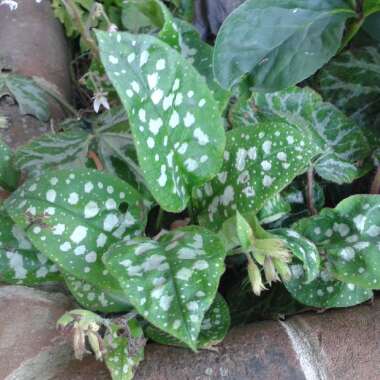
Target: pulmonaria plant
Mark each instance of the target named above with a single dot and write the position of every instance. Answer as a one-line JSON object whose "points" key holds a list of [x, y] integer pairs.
{"points": [[221, 138]]}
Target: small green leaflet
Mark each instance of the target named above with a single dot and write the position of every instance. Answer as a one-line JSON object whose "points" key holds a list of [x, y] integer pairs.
{"points": [[304, 250], [349, 237], [371, 6], [175, 121], [278, 43], [9, 175], [258, 163], [124, 352], [351, 82], [342, 140], [20, 262], [274, 209], [170, 282], [214, 327], [199, 54], [74, 216], [93, 298], [31, 99]]}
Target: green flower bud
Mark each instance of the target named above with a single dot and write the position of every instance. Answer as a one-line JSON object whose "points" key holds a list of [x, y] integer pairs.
{"points": [[255, 278], [270, 271]]}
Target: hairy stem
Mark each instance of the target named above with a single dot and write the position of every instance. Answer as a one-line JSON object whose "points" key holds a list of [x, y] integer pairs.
{"points": [[309, 191], [94, 157], [375, 186], [73, 10]]}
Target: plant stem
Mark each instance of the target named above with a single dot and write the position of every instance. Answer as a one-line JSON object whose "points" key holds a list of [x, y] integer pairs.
{"points": [[375, 186], [94, 157], [73, 10], [159, 219], [309, 191]]}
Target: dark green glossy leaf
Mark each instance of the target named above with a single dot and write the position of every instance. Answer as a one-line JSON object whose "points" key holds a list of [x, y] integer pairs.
{"points": [[174, 119], [173, 281], [74, 216], [278, 42], [258, 163], [371, 26], [214, 327]]}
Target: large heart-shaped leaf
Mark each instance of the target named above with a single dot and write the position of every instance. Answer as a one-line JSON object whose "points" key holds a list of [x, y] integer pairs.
{"points": [[279, 42], [31, 99], [258, 163], [9, 175], [349, 237], [174, 119], [342, 140], [20, 262], [171, 282], [351, 82], [214, 327], [74, 216], [96, 299]]}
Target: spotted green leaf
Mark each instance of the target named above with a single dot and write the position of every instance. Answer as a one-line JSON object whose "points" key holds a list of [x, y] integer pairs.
{"points": [[342, 140], [304, 250], [31, 99], [94, 298], [325, 291], [199, 54], [258, 163], [174, 119], [351, 82], [349, 237], [20, 262], [125, 351], [278, 42], [73, 216], [274, 208], [214, 327], [9, 175], [170, 282]]}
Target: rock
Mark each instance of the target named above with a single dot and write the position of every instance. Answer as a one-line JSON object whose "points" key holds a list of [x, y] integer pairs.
{"points": [[210, 14], [339, 344], [30, 347], [32, 44]]}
